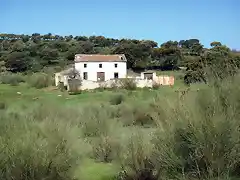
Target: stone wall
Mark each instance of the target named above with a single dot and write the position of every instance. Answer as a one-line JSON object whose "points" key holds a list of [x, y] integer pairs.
{"points": [[87, 84], [161, 80]]}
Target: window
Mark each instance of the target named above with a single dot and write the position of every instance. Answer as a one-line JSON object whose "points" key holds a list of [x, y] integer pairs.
{"points": [[115, 75], [85, 75], [85, 65], [116, 65], [100, 65]]}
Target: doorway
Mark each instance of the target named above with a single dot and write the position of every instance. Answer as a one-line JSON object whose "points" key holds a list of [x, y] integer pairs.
{"points": [[115, 75], [148, 76], [100, 76]]}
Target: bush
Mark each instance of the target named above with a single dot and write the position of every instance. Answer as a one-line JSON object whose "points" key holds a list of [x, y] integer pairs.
{"points": [[61, 86], [102, 86], [105, 149], [74, 86], [3, 105], [11, 78], [192, 138], [96, 120], [136, 158], [197, 140], [117, 99], [34, 148], [156, 85], [40, 80], [128, 84], [114, 85]]}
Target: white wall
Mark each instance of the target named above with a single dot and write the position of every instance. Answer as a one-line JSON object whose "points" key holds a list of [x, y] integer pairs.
{"points": [[61, 78], [87, 85], [107, 67]]}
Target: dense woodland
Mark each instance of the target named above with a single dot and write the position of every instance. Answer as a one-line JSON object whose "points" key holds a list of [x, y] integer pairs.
{"points": [[24, 53]]}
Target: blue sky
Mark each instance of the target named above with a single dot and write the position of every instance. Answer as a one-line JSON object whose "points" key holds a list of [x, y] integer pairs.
{"points": [[158, 20]]}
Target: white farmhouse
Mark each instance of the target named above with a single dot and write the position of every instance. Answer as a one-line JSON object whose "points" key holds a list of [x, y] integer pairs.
{"points": [[97, 67]]}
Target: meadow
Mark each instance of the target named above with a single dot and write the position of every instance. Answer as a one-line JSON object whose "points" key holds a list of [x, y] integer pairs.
{"points": [[119, 134]]}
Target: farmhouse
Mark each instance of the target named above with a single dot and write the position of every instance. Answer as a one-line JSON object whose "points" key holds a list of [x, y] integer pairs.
{"points": [[97, 67], [95, 70]]}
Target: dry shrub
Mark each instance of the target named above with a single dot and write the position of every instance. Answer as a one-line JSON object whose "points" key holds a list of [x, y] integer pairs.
{"points": [[114, 85], [40, 80], [156, 85], [61, 86], [74, 86], [128, 83]]}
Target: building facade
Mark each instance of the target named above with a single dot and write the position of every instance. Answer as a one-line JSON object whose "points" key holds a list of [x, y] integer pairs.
{"points": [[97, 67]]}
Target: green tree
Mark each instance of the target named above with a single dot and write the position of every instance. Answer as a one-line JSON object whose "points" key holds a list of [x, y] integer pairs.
{"points": [[17, 61], [215, 44]]}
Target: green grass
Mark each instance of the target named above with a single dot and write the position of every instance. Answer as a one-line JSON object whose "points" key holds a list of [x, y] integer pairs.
{"points": [[91, 170], [49, 134]]}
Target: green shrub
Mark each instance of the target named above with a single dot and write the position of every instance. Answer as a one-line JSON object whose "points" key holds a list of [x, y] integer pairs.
{"points": [[3, 105], [11, 78], [105, 149], [34, 150], [40, 80], [117, 99], [198, 139], [95, 120], [139, 114], [136, 158]]}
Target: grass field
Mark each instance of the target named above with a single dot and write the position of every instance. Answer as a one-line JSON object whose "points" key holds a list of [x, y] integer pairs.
{"points": [[120, 134]]}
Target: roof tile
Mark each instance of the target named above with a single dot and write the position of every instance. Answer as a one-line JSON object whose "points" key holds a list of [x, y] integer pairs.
{"points": [[99, 58]]}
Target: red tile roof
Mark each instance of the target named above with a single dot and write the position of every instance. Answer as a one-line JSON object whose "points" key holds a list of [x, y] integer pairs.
{"points": [[99, 58]]}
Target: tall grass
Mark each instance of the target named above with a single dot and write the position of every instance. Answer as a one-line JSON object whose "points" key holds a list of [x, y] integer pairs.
{"points": [[36, 80], [196, 137], [11, 78], [40, 80]]}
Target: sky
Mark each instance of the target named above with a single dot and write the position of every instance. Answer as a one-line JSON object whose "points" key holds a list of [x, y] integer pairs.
{"points": [[158, 20]]}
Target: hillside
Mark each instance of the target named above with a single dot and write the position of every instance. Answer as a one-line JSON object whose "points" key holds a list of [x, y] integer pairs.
{"points": [[183, 132], [30, 53]]}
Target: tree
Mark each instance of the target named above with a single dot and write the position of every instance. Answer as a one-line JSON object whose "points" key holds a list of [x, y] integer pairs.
{"points": [[138, 55], [17, 62], [32, 52], [217, 62], [215, 44], [168, 56]]}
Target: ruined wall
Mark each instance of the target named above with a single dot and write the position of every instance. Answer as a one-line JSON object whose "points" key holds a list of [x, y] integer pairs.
{"points": [[87, 84]]}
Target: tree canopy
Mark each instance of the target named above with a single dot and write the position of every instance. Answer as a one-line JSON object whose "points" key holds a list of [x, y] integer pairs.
{"points": [[19, 53]]}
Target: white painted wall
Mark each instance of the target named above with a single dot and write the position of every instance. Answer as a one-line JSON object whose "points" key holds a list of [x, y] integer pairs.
{"points": [[61, 78], [87, 85], [107, 67]]}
